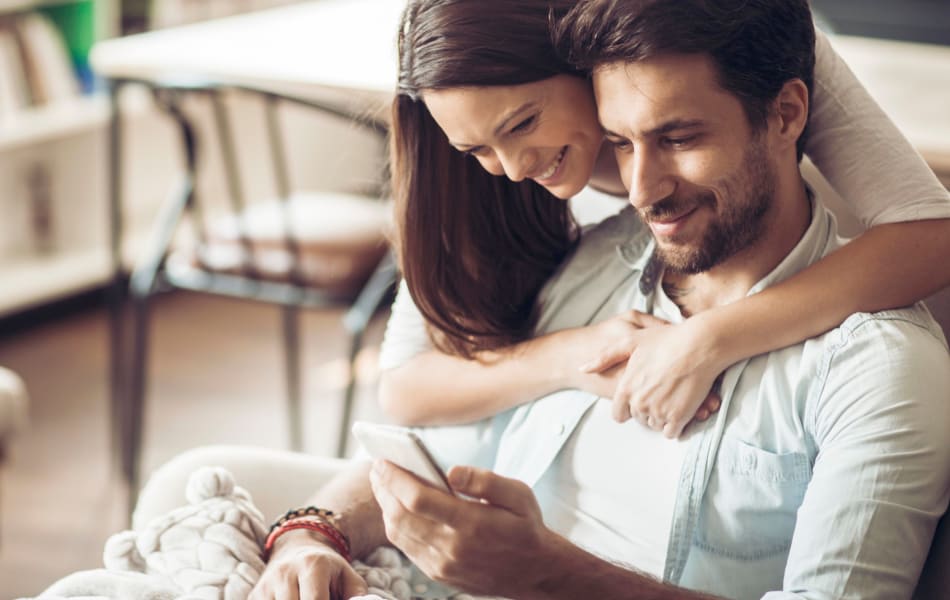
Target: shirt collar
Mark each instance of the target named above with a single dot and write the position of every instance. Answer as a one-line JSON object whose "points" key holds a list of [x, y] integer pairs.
{"points": [[639, 252], [819, 239]]}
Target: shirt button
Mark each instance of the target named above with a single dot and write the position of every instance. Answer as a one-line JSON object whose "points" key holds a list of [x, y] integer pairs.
{"points": [[420, 588], [559, 430]]}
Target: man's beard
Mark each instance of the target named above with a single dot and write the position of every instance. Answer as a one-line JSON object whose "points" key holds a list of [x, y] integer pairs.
{"points": [[748, 197]]}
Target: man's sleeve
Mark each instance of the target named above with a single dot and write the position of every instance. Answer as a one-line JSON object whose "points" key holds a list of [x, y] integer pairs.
{"points": [[882, 472]]}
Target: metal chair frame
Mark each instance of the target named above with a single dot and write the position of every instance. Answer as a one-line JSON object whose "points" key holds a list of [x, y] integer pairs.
{"points": [[149, 276]]}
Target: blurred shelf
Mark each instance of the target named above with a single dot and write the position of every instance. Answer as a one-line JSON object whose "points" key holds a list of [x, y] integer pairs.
{"points": [[55, 121], [31, 280], [27, 281]]}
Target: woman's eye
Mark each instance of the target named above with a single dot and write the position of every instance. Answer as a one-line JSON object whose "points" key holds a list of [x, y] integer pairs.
{"points": [[476, 151], [522, 126]]}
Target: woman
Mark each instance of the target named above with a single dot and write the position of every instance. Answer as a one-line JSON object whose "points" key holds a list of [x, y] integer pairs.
{"points": [[481, 227]]}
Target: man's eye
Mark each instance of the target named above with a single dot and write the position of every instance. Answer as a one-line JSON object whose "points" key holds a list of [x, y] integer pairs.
{"points": [[474, 151], [619, 144], [681, 141], [524, 125]]}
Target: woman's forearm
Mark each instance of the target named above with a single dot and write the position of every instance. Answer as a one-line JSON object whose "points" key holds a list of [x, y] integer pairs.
{"points": [[889, 266], [436, 389]]}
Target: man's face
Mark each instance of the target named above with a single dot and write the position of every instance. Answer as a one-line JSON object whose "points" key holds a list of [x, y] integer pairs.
{"points": [[698, 175]]}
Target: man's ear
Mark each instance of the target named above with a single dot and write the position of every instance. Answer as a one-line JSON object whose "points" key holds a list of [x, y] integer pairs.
{"points": [[791, 112]]}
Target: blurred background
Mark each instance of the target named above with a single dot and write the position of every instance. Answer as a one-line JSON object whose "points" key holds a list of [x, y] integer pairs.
{"points": [[216, 368]]}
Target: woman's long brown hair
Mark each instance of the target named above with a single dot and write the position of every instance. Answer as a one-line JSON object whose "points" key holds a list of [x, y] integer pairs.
{"points": [[474, 248]]}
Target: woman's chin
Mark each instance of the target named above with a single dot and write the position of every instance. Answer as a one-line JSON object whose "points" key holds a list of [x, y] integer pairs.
{"points": [[565, 190]]}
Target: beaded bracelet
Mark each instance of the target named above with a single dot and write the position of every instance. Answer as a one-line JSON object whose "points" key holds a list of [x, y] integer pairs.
{"points": [[320, 520], [306, 511], [312, 523]]}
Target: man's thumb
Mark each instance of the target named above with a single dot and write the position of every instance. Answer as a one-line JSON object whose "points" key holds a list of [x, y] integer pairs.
{"points": [[481, 484]]}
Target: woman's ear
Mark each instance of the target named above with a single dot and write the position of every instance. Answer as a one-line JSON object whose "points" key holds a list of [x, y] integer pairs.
{"points": [[791, 112]]}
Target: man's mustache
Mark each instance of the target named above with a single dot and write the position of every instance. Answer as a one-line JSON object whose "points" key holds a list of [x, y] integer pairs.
{"points": [[675, 206]]}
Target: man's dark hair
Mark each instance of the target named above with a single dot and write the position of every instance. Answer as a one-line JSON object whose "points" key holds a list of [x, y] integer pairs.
{"points": [[756, 45]]}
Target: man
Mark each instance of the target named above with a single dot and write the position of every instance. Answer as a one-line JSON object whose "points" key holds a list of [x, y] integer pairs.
{"points": [[826, 469]]}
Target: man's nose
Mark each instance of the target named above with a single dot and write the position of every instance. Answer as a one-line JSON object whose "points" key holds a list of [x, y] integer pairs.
{"points": [[650, 179]]}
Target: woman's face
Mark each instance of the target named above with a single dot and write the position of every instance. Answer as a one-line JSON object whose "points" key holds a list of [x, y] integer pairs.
{"points": [[546, 130]]}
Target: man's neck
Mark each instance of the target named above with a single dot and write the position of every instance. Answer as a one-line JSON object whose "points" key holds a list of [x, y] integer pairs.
{"points": [[731, 280]]}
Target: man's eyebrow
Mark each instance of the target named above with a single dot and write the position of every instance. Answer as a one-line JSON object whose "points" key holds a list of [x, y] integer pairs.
{"points": [[674, 125], [501, 126]]}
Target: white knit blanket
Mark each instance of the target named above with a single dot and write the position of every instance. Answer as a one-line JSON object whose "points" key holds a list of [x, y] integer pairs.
{"points": [[210, 549]]}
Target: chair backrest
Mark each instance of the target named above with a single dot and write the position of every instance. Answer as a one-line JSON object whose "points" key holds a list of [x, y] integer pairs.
{"points": [[225, 233]]}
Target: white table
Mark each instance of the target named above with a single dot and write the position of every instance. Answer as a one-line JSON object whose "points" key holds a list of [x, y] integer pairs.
{"points": [[328, 48]]}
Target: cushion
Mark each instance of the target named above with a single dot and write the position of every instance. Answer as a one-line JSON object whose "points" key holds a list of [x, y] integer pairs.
{"points": [[340, 238]]}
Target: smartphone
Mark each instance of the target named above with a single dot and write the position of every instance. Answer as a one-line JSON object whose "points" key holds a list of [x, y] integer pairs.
{"points": [[401, 447]]}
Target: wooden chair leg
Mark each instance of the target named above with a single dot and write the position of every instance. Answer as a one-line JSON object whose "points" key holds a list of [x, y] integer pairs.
{"points": [[349, 394], [355, 321], [291, 325], [132, 416]]}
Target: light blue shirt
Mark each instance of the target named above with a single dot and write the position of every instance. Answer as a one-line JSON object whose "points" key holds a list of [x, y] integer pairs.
{"points": [[826, 469]]}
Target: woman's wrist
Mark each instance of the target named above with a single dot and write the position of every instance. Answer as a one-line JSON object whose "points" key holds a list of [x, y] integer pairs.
{"points": [[561, 367], [721, 340]]}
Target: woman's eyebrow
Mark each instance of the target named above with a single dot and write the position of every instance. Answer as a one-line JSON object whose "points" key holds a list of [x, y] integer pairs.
{"points": [[513, 115]]}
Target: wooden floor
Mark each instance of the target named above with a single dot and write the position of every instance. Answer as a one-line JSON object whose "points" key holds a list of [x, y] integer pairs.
{"points": [[216, 377]]}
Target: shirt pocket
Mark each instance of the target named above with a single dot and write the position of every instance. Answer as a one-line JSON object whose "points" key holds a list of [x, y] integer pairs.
{"points": [[750, 505]]}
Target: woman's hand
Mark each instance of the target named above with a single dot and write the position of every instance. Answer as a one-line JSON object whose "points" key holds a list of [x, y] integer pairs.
{"points": [[611, 342], [668, 377]]}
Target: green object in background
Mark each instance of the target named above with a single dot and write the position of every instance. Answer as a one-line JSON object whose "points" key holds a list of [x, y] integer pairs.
{"points": [[77, 21]]}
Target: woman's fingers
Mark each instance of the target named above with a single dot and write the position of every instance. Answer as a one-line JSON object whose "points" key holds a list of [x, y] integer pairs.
{"points": [[711, 403], [619, 338], [620, 410], [641, 319], [608, 358]]}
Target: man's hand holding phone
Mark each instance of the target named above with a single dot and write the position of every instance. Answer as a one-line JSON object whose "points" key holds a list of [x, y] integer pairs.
{"points": [[457, 527], [493, 543]]}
